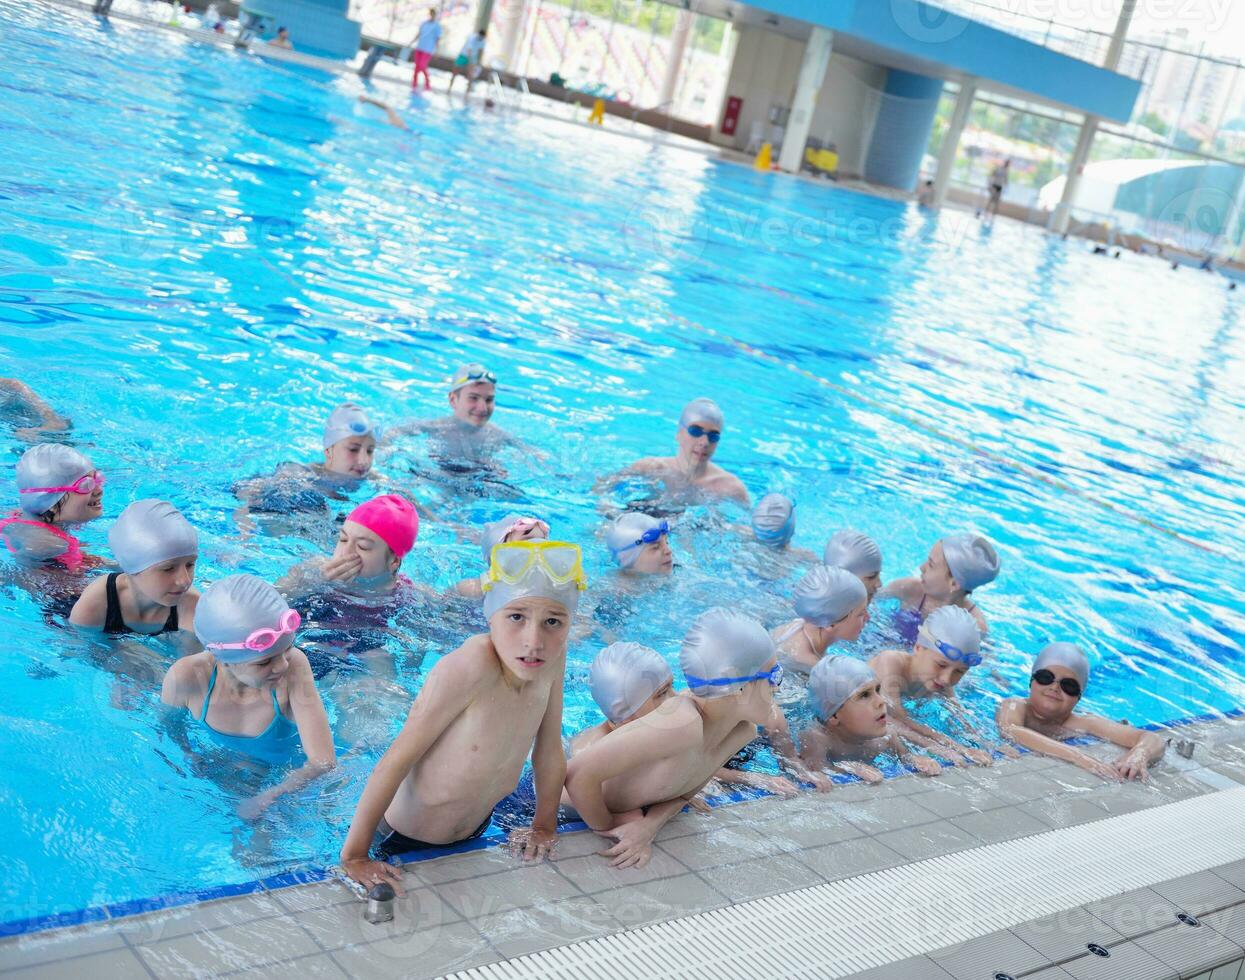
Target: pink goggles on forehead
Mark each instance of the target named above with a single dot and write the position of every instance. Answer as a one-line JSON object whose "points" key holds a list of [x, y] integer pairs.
{"points": [[83, 485], [264, 639], [524, 524]]}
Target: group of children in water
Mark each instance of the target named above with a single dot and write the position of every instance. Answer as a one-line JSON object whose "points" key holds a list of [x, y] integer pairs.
{"points": [[496, 701]]}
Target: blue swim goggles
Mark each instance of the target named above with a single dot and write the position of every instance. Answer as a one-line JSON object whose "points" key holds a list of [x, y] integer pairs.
{"points": [[648, 537], [696, 431], [362, 429], [774, 675], [955, 654]]}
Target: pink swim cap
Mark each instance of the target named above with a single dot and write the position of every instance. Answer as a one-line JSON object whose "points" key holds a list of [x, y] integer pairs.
{"points": [[391, 518]]}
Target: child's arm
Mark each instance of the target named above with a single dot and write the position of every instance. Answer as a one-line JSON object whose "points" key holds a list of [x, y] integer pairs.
{"points": [[777, 785], [862, 771], [779, 733], [634, 838], [444, 696], [49, 420], [1010, 718], [180, 681], [903, 589], [313, 732], [549, 775], [923, 764], [1144, 748], [91, 608]]}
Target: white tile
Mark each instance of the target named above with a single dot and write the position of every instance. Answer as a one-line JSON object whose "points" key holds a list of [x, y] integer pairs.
{"points": [[207, 954], [458, 947], [59, 944]]}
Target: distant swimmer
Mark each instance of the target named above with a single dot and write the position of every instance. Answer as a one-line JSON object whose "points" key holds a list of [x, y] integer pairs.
{"points": [[29, 414]]}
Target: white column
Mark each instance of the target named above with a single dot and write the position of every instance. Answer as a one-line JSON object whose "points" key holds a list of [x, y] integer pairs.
{"points": [[484, 13], [511, 33], [674, 67], [951, 141], [1080, 156], [812, 74]]}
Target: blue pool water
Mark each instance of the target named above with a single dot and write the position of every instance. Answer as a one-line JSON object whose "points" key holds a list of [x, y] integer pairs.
{"points": [[201, 254]]}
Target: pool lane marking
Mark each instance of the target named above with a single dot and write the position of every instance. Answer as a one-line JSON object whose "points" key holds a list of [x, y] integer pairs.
{"points": [[918, 423]]}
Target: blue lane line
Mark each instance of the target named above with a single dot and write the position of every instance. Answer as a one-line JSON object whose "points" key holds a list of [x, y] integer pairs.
{"points": [[492, 838]]}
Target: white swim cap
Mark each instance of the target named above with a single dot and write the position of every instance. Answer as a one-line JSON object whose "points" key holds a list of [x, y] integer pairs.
{"points": [[825, 595], [833, 680], [535, 581], [1064, 655], [348, 420], [856, 552], [702, 410], [622, 535], [496, 532], [953, 627], [470, 374], [48, 464], [230, 610], [149, 532], [773, 519], [971, 558], [724, 644], [625, 675]]}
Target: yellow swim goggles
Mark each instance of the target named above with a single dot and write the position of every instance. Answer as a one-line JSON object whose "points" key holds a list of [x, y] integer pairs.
{"points": [[512, 561]]}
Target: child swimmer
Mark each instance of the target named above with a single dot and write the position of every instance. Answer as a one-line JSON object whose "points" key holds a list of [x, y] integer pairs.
{"points": [[58, 487], [855, 727], [493, 701], [957, 564], [640, 544], [833, 606], [154, 592], [859, 554], [512, 527], [1045, 720], [251, 688]]}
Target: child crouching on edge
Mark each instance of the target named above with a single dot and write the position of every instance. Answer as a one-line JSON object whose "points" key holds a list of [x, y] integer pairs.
{"points": [[855, 724], [251, 688], [629, 783], [1045, 720], [481, 711]]}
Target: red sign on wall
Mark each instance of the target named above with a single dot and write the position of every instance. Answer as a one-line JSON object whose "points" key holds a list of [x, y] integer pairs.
{"points": [[730, 119]]}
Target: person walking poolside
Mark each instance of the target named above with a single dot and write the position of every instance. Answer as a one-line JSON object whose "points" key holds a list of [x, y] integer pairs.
{"points": [[997, 185], [469, 60], [425, 47]]}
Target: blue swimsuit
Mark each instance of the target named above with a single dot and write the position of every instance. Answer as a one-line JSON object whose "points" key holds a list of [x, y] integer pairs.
{"points": [[278, 739]]}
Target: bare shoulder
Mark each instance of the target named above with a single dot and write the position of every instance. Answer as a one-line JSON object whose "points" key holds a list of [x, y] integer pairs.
{"points": [[887, 661], [466, 669], [186, 609], [186, 678], [1010, 711], [907, 590], [92, 606]]}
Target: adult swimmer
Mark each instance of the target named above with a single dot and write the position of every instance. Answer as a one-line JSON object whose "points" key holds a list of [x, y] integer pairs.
{"points": [[700, 430]]}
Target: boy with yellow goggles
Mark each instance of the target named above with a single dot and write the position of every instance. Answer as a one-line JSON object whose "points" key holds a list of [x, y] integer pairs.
{"points": [[552, 569]]}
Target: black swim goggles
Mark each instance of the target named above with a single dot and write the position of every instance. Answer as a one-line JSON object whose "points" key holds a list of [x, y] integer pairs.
{"points": [[1069, 685]]}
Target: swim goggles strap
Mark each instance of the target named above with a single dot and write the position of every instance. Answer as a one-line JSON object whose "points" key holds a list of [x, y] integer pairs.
{"points": [[774, 675], [264, 638], [648, 537], [952, 652]]}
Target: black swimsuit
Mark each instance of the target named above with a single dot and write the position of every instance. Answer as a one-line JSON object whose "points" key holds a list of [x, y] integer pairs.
{"points": [[114, 622]]}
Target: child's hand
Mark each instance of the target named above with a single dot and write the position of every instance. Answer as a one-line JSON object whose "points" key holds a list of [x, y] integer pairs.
{"points": [[699, 804], [532, 843], [821, 782], [1008, 751], [634, 847], [870, 774], [924, 765], [368, 873], [779, 786], [342, 569], [1132, 765], [1098, 768], [979, 757]]}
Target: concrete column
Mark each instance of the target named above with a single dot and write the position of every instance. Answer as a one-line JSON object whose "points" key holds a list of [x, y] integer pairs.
{"points": [[511, 34], [901, 130], [674, 67], [951, 141], [484, 13], [1080, 156], [812, 74]]}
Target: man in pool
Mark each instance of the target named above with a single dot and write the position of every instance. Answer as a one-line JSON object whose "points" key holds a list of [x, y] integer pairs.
{"points": [[630, 782], [1044, 721], [483, 709], [947, 645], [699, 432]]}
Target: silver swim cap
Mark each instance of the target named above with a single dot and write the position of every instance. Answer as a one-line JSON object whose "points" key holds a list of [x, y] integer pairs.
{"points": [[48, 464], [470, 374], [773, 519], [622, 535], [234, 608], [833, 680], [494, 533], [856, 552], [825, 595], [1064, 655], [348, 420], [971, 558], [534, 580], [625, 675], [701, 410], [953, 627], [149, 532], [724, 644]]}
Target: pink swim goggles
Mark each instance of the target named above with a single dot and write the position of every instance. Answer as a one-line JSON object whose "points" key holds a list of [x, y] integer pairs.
{"points": [[264, 639], [83, 485]]}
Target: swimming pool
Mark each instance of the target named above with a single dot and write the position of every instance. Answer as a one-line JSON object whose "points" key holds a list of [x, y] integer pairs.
{"points": [[202, 254]]}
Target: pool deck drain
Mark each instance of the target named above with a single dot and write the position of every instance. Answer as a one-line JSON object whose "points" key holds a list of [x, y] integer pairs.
{"points": [[469, 910]]}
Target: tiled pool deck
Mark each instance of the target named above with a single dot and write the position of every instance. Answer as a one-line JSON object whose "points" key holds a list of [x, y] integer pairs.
{"points": [[477, 908]]}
